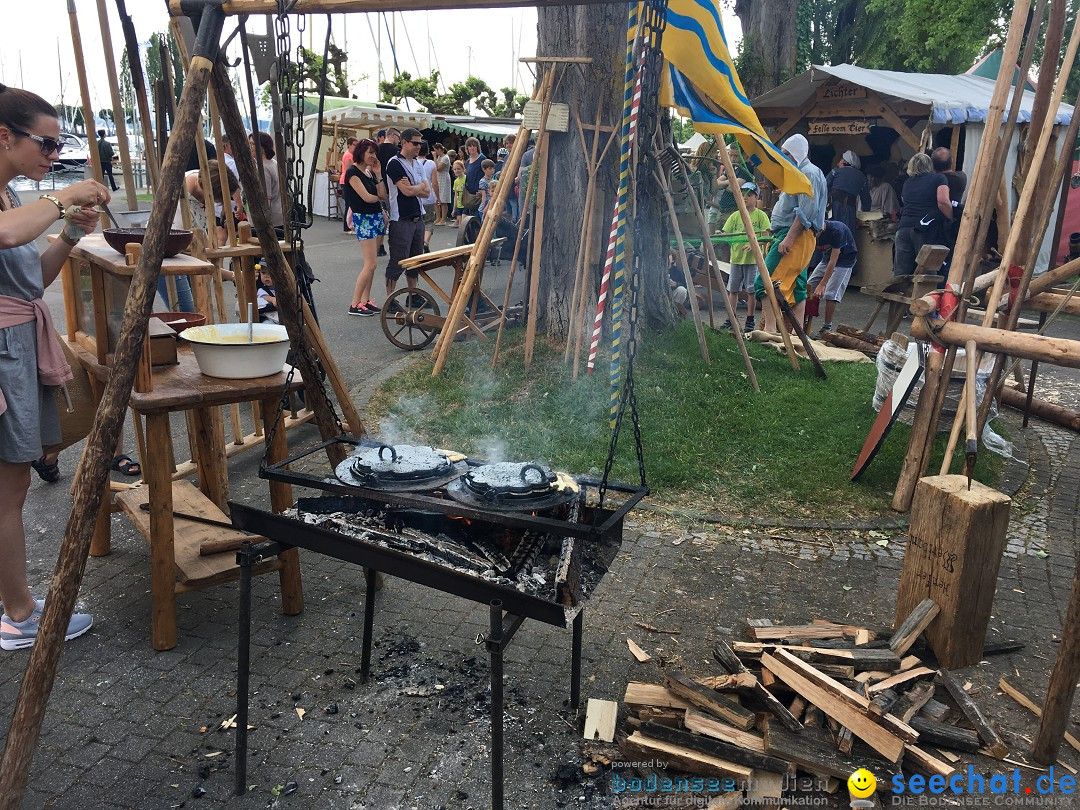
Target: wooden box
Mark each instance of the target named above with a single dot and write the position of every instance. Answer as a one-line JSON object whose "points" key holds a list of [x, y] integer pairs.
{"points": [[162, 339]]}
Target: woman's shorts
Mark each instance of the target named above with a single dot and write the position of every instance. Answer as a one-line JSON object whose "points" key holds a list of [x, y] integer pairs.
{"points": [[368, 226]]}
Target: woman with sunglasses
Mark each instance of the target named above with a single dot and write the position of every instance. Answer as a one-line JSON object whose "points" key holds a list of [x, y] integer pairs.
{"points": [[30, 358]]}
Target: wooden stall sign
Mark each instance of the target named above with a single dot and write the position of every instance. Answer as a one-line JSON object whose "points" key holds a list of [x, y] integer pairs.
{"points": [[838, 128], [841, 91], [558, 116]]}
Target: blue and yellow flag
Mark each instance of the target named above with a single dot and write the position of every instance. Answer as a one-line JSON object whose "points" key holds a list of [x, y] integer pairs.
{"points": [[703, 85]]}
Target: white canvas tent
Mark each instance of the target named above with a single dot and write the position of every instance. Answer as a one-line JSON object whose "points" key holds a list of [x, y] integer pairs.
{"points": [[691, 144], [843, 104], [355, 120]]}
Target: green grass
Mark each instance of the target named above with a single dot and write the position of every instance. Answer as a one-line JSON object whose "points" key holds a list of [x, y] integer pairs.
{"points": [[711, 443]]}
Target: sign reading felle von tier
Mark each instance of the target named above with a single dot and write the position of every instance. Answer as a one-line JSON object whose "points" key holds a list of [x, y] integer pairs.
{"points": [[558, 116], [838, 128]]}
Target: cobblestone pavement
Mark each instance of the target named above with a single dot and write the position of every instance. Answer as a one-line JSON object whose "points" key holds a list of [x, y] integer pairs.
{"points": [[128, 727]]}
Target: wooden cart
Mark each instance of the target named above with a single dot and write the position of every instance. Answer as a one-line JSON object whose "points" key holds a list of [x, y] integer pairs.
{"points": [[412, 317]]}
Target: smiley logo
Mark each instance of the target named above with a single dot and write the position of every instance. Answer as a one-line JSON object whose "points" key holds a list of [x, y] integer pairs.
{"points": [[862, 784]]}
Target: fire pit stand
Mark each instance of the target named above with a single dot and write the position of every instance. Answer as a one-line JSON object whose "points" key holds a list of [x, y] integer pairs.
{"points": [[508, 607]]}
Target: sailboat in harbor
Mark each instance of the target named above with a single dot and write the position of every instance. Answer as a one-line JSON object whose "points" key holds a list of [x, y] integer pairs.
{"points": [[76, 151]]}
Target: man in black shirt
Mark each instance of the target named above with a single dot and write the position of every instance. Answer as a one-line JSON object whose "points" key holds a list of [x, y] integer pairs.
{"points": [[407, 185], [388, 141]]}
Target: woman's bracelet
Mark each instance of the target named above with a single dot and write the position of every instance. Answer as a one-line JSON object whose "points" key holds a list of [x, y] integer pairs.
{"points": [[59, 205]]}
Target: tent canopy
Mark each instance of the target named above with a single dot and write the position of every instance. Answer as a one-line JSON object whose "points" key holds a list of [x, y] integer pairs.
{"points": [[693, 142], [494, 130], [949, 99]]}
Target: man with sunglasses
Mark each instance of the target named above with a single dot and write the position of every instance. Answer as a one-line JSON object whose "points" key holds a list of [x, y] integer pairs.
{"points": [[405, 179]]}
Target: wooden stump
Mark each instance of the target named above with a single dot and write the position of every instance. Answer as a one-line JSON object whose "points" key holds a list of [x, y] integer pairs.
{"points": [[954, 549]]}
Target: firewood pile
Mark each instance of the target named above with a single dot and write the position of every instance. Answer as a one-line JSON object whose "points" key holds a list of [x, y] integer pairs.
{"points": [[822, 699]]}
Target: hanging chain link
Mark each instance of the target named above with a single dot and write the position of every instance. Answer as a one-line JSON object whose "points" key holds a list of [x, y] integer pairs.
{"points": [[654, 21], [290, 90]]}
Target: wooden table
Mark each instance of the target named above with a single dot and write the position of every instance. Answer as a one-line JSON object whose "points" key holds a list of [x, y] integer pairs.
{"points": [[176, 562]]}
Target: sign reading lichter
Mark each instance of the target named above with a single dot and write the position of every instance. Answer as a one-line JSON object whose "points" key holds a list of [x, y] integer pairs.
{"points": [[838, 128]]}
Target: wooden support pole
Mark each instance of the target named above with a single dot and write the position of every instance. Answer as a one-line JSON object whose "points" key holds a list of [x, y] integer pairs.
{"points": [[138, 83], [691, 294], [87, 105], [714, 269], [1057, 708], [119, 116], [274, 258], [91, 478], [536, 233], [954, 548], [1056, 351], [755, 248]]}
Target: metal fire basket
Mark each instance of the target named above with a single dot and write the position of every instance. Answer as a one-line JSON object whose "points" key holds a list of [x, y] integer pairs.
{"points": [[596, 525]]}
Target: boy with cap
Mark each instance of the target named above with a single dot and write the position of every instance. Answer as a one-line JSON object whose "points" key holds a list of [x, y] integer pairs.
{"points": [[833, 262], [743, 271]]}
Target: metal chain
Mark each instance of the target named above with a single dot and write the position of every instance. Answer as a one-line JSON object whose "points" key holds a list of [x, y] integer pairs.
{"points": [[291, 93], [654, 22]]}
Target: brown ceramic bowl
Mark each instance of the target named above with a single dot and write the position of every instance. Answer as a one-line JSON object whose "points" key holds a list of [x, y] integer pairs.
{"points": [[180, 321], [118, 239]]}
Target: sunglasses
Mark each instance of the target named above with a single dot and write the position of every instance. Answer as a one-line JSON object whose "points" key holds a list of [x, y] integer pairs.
{"points": [[415, 143], [46, 145]]}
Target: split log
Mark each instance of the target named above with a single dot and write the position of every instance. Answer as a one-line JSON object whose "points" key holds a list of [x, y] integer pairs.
{"points": [[900, 678], [912, 701], [709, 700], [837, 707], [801, 631], [814, 751], [641, 748], [935, 710], [652, 694], [881, 703], [723, 653], [955, 543], [1056, 351], [1041, 408], [849, 342], [935, 733], [702, 723], [860, 660], [845, 740], [600, 718], [813, 717], [913, 625], [716, 748], [915, 756], [974, 714]]}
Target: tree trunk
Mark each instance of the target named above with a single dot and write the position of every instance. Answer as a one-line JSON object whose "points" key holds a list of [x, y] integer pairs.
{"points": [[769, 43], [599, 32]]}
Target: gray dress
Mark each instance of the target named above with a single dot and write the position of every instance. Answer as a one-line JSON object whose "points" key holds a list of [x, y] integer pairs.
{"points": [[31, 419]]}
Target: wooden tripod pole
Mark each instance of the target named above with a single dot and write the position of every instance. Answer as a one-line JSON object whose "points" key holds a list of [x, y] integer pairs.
{"points": [[714, 268], [536, 234], [87, 106], [691, 294], [1023, 213], [1057, 707], [118, 108], [138, 83], [755, 248], [92, 475]]}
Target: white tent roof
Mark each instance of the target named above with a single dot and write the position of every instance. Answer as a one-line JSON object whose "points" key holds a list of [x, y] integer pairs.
{"points": [[952, 99], [365, 116], [693, 142]]}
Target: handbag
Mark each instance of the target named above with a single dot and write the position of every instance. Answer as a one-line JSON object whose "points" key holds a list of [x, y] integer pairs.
{"points": [[468, 199], [74, 423]]}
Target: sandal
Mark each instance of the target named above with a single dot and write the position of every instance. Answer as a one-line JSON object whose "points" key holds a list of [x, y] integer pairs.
{"points": [[125, 466], [49, 473]]}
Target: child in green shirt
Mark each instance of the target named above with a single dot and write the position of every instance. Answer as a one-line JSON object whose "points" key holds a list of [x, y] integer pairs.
{"points": [[743, 267]]}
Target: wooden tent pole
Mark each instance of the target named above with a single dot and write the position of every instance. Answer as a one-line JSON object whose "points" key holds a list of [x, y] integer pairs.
{"points": [[691, 293], [1057, 707], [91, 477], [1056, 351], [755, 248], [536, 233], [119, 113], [87, 106], [579, 260]]}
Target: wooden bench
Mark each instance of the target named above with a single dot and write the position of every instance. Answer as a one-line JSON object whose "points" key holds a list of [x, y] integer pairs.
{"points": [[901, 291]]}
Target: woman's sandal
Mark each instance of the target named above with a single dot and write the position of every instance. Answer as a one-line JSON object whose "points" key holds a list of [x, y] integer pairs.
{"points": [[125, 466], [50, 473]]}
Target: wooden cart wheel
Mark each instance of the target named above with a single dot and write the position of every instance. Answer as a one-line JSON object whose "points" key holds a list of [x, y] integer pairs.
{"points": [[403, 316]]}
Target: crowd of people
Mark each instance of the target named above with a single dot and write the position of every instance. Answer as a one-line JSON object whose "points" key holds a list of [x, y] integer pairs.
{"points": [[812, 245]]}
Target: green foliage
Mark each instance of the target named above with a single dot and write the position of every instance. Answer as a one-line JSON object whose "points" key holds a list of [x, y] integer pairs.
{"points": [[681, 129], [310, 73], [506, 103], [154, 68], [710, 441]]}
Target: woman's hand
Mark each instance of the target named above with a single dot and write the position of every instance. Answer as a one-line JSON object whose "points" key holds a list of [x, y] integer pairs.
{"points": [[85, 219], [85, 193]]}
